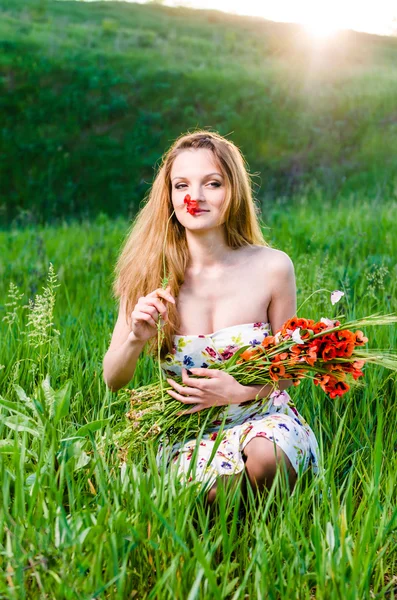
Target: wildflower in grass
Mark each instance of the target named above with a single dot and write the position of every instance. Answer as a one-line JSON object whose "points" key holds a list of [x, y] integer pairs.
{"points": [[13, 303], [336, 296], [39, 323]]}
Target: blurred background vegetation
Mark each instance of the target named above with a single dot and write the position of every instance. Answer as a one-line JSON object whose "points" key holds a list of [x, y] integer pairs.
{"points": [[92, 94]]}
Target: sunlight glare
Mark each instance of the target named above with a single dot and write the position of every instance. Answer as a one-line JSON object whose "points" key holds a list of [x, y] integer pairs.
{"points": [[321, 29], [320, 18]]}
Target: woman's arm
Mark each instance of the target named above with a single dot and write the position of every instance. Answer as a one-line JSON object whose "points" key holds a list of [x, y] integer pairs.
{"points": [[282, 307], [120, 360], [119, 364]]}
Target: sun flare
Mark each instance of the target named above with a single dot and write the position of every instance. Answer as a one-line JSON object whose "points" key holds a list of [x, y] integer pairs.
{"points": [[321, 19], [324, 23], [321, 29]]}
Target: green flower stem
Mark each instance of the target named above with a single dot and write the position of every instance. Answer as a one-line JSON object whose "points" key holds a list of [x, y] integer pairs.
{"points": [[308, 298]]}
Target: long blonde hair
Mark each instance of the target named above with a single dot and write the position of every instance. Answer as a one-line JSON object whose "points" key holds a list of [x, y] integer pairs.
{"points": [[139, 268]]}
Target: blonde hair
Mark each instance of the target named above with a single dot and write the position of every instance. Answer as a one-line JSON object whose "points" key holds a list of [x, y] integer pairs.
{"points": [[139, 268]]}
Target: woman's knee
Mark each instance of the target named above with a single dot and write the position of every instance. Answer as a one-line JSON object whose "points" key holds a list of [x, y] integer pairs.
{"points": [[212, 494], [229, 482], [263, 459]]}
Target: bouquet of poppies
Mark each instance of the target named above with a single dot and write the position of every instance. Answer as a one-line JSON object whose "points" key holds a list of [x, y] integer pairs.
{"points": [[328, 352]]}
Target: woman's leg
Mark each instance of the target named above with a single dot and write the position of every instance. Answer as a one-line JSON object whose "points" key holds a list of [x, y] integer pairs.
{"points": [[263, 459], [230, 482]]}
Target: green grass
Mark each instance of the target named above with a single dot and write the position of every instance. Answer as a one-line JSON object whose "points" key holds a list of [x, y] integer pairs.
{"points": [[92, 93], [76, 525]]}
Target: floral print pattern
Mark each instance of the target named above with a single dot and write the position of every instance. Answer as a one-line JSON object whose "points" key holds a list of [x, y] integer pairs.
{"points": [[283, 425]]}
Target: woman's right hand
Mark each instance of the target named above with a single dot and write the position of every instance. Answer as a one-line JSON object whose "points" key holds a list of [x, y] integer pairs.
{"points": [[147, 312]]}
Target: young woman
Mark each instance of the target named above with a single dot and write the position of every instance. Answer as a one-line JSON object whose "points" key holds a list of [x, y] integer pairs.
{"points": [[227, 288]]}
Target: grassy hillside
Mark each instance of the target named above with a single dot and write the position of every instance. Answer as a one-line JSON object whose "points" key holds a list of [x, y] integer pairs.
{"points": [[91, 94], [76, 525]]}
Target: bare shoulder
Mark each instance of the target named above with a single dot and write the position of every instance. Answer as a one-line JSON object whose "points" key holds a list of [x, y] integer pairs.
{"points": [[275, 262]]}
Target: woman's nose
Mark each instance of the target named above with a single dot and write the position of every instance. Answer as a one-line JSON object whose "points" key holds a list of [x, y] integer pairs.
{"points": [[197, 192]]}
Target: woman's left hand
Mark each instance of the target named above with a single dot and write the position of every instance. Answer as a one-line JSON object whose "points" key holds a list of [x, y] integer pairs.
{"points": [[219, 389]]}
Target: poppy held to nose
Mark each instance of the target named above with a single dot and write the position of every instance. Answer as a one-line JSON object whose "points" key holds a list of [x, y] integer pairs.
{"points": [[192, 205]]}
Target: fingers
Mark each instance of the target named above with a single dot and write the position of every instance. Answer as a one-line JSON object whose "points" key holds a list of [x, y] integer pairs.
{"points": [[183, 398], [153, 306], [163, 294], [181, 389], [144, 317], [204, 372]]}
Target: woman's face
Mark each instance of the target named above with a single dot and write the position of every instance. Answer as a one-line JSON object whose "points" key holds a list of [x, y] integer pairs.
{"points": [[196, 173]]}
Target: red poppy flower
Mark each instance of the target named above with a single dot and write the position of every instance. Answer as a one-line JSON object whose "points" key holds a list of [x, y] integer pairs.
{"points": [[314, 345], [297, 376], [290, 324], [344, 349], [329, 352], [192, 205], [360, 338], [310, 358], [296, 349], [280, 357], [340, 388], [267, 341], [249, 354], [357, 373], [276, 371], [330, 367], [321, 380], [344, 335], [358, 364], [302, 323], [318, 327], [353, 369]]}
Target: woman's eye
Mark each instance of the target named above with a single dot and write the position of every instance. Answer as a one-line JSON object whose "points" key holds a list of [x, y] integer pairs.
{"points": [[180, 185]]}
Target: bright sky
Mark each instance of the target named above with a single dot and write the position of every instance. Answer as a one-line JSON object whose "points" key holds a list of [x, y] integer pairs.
{"points": [[322, 17]]}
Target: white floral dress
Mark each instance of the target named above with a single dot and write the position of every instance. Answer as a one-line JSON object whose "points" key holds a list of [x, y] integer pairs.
{"points": [[283, 425]]}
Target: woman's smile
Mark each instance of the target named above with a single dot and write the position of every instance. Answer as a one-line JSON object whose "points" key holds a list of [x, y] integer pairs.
{"points": [[200, 211]]}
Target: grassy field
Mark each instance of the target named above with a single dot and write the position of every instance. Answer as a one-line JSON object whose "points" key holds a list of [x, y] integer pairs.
{"points": [[76, 523], [92, 93]]}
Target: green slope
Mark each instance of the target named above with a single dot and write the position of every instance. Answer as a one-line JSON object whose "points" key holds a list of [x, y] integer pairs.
{"points": [[92, 94]]}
